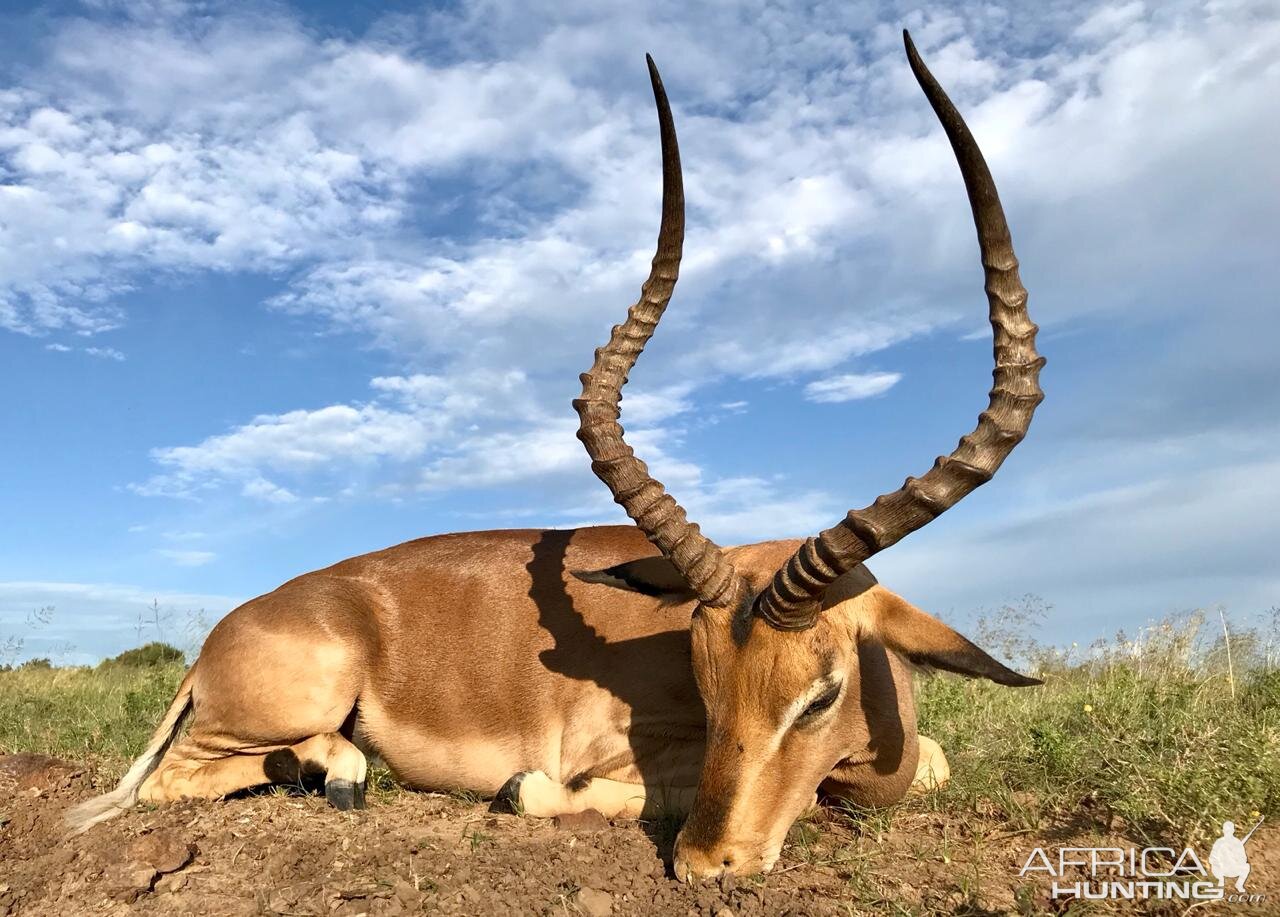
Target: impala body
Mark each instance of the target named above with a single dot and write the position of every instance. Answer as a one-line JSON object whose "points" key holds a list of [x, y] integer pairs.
{"points": [[635, 670]]}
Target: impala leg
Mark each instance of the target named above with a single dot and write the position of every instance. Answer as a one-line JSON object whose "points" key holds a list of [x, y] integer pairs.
{"points": [[344, 767], [534, 793], [194, 770], [190, 770], [870, 781], [932, 771]]}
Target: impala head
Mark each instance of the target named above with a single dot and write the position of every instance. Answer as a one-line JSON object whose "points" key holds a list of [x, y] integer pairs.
{"points": [[789, 641]]}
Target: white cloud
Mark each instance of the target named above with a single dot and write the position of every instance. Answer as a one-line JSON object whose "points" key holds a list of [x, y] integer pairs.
{"points": [[504, 458], [449, 424], [850, 386], [649, 407], [262, 489], [187, 558], [827, 221], [266, 149], [105, 353], [300, 439]]}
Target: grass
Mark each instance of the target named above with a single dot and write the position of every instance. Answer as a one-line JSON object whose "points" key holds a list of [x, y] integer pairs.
{"points": [[105, 714], [1154, 736]]}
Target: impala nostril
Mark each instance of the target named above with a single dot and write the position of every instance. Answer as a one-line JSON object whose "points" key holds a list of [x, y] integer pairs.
{"points": [[727, 862]]}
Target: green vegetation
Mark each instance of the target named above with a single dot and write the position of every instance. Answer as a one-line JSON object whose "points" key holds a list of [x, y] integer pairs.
{"points": [[106, 714], [151, 655], [1160, 737]]}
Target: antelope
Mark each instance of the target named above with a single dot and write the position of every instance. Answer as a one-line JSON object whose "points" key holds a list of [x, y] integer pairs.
{"points": [[634, 670]]}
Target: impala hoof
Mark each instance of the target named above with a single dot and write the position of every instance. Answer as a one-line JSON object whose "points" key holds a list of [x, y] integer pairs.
{"points": [[507, 799], [344, 795]]}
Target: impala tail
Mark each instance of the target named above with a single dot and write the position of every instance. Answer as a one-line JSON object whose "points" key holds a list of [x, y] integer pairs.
{"points": [[100, 808]]}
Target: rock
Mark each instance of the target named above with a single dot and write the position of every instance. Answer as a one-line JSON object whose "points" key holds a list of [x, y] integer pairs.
{"points": [[126, 881], [724, 912], [593, 902], [581, 822], [406, 893], [164, 850], [172, 883]]}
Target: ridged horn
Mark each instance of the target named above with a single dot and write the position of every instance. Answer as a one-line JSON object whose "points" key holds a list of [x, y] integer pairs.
{"points": [[699, 560], [793, 598]]}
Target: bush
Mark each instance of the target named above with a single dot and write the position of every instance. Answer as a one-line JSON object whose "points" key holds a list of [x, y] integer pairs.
{"points": [[146, 657]]}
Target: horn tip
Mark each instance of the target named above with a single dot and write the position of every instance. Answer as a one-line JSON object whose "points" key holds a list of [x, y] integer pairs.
{"points": [[655, 78], [912, 54]]}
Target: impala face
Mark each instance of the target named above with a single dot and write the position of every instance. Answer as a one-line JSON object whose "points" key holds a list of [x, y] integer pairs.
{"points": [[791, 713], [776, 727]]}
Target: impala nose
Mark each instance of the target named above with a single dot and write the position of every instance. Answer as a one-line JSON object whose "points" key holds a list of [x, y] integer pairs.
{"points": [[692, 864]]}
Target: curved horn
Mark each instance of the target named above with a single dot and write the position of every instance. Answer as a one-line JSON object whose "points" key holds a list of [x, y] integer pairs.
{"points": [[792, 600], [699, 560]]}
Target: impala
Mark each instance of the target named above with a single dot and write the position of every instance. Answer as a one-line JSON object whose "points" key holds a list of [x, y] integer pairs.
{"points": [[565, 670]]}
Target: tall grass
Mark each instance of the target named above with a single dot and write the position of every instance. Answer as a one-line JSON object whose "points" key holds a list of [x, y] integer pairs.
{"points": [[105, 713], [1162, 736]]}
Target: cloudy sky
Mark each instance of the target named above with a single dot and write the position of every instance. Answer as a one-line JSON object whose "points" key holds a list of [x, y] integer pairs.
{"points": [[283, 283]]}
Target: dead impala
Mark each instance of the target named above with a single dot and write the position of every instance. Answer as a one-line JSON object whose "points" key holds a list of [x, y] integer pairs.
{"points": [[566, 670]]}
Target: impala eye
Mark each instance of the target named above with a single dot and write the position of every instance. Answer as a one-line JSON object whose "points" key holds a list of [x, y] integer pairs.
{"points": [[822, 702]]}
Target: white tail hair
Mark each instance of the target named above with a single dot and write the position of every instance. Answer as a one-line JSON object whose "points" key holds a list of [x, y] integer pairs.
{"points": [[109, 805]]}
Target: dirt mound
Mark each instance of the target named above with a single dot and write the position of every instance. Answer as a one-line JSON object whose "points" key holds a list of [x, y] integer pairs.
{"points": [[290, 853], [281, 853]]}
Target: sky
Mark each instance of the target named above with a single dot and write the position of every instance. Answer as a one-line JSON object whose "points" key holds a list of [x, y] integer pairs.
{"points": [[282, 283]]}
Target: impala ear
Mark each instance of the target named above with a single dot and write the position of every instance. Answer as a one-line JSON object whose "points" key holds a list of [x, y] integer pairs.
{"points": [[649, 576], [930, 644]]}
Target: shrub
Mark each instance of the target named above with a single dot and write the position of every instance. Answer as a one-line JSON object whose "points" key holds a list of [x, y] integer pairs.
{"points": [[145, 657]]}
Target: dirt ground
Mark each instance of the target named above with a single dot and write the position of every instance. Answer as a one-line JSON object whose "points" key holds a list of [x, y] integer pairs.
{"points": [[409, 853]]}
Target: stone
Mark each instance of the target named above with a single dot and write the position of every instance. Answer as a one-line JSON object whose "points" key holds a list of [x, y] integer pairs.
{"points": [[126, 881], [406, 893], [173, 883], [164, 850], [593, 902], [582, 822]]}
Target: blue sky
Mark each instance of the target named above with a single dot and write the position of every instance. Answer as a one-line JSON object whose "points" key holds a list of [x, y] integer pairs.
{"points": [[283, 283]]}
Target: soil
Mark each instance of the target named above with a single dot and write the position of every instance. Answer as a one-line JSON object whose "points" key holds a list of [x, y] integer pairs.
{"points": [[410, 853]]}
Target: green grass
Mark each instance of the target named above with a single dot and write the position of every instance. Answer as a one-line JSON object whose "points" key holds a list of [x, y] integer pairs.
{"points": [[105, 714], [1155, 739]]}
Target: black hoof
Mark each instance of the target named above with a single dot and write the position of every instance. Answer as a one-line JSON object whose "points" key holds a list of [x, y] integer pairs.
{"points": [[508, 798], [344, 795]]}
